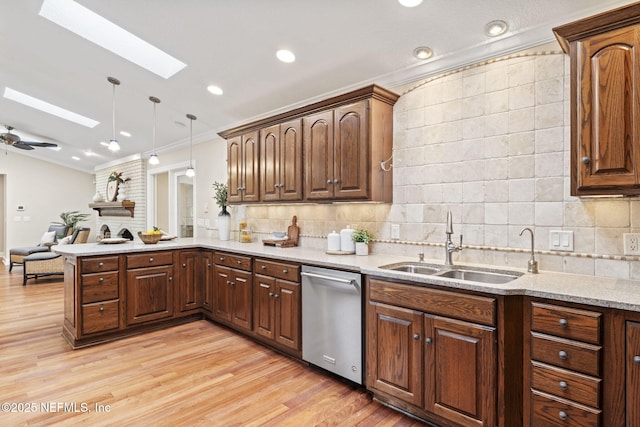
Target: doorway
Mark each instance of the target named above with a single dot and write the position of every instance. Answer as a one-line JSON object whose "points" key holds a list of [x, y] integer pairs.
{"points": [[171, 196]]}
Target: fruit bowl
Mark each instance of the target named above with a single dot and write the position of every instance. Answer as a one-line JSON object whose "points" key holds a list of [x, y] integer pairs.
{"points": [[149, 238]]}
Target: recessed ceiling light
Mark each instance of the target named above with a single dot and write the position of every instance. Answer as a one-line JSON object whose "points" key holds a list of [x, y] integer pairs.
{"points": [[179, 124], [125, 133], [496, 28], [422, 52], [41, 105], [214, 90], [75, 157], [93, 27], [410, 3], [90, 153], [285, 55]]}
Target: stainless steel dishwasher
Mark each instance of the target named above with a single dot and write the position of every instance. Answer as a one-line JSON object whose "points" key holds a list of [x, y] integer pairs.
{"points": [[332, 321]]}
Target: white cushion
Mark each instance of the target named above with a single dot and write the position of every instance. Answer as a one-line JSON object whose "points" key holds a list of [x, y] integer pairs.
{"points": [[65, 240], [47, 238]]}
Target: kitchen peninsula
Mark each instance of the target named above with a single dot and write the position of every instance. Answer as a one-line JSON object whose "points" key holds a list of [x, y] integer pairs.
{"points": [[566, 326]]}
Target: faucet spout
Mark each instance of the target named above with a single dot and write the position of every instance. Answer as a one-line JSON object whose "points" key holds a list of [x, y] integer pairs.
{"points": [[449, 246], [532, 265]]}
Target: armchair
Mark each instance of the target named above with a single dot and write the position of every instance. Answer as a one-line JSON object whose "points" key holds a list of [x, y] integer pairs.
{"points": [[17, 255]]}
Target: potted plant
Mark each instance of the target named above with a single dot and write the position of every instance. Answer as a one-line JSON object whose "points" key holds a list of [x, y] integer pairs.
{"points": [[362, 237], [71, 219], [113, 186], [220, 193]]}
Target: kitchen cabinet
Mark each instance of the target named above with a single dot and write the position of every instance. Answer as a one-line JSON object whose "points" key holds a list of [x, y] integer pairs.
{"points": [[149, 287], [232, 291], [242, 164], [277, 304], [605, 102], [281, 162], [100, 284], [433, 352], [190, 280], [633, 373], [208, 278]]}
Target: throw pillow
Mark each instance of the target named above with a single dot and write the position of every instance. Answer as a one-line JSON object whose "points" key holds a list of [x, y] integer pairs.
{"points": [[47, 238], [65, 240]]}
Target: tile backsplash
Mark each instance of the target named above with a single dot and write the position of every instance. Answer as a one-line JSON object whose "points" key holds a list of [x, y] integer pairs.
{"points": [[489, 142]]}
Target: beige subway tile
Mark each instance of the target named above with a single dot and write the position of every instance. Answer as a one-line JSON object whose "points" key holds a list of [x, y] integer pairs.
{"points": [[612, 213]]}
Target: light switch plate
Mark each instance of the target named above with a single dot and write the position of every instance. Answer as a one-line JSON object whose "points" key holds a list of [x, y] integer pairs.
{"points": [[561, 240], [395, 231]]}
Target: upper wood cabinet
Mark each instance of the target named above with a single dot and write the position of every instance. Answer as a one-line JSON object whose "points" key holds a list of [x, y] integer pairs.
{"points": [[605, 102], [242, 164], [343, 140], [281, 162]]}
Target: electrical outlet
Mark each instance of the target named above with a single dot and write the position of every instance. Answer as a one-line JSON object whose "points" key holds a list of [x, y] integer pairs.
{"points": [[631, 243], [395, 231]]}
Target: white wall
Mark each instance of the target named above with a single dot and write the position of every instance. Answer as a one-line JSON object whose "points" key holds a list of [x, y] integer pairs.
{"points": [[45, 190]]}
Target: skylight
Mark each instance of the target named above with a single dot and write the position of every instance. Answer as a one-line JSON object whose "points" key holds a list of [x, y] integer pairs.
{"points": [[41, 105], [93, 27]]}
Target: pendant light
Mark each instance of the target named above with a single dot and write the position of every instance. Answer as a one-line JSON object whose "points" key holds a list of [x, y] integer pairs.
{"points": [[153, 158], [190, 171], [113, 143]]}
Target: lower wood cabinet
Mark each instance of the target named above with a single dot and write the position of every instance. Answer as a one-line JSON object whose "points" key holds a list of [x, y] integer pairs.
{"points": [[632, 363], [100, 296], [232, 291], [149, 287], [208, 277], [190, 280]]}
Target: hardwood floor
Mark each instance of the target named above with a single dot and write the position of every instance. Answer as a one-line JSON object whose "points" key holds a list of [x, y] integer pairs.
{"points": [[197, 374]]}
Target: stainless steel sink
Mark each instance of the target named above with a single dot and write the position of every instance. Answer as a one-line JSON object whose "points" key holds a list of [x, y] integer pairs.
{"points": [[455, 272], [478, 276]]}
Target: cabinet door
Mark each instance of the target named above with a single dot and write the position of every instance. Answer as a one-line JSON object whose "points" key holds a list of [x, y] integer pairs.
{"points": [[264, 306], [394, 351], [241, 299], [351, 162], [460, 371], [318, 156], [208, 279], [270, 163], [290, 183], [287, 314], [190, 279], [234, 169], [608, 110], [222, 293], [633, 374], [149, 294], [250, 173]]}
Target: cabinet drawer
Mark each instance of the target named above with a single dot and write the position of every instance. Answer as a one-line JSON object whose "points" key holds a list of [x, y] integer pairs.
{"points": [[471, 308], [574, 355], [151, 259], [280, 270], [233, 261], [99, 287], [98, 264], [100, 317], [547, 410], [566, 322], [569, 385]]}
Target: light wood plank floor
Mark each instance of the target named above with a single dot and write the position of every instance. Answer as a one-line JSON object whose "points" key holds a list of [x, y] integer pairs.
{"points": [[198, 374]]}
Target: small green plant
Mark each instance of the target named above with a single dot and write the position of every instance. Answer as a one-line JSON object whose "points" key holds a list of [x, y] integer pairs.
{"points": [[362, 235], [117, 176], [72, 218], [220, 194]]}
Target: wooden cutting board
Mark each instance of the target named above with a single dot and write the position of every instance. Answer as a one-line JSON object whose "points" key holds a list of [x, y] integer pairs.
{"points": [[293, 233]]}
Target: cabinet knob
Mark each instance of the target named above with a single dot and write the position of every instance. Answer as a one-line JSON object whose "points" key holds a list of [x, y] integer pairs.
{"points": [[221, 258], [285, 271], [428, 340], [239, 262], [209, 265], [276, 295], [586, 160], [101, 264], [416, 337], [563, 415], [184, 265], [171, 278], [101, 308], [563, 385], [636, 359], [231, 283], [270, 294], [563, 323], [329, 181], [263, 267], [101, 279], [150, 259], [563, 355], [335, 181]]}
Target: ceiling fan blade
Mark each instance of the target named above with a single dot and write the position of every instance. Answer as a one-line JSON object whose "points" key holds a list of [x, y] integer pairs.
{"points": [[22, 146], [39, 144]]}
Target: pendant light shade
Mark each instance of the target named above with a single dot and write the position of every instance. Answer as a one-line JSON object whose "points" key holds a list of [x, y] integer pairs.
{"points": [[113, 143], [153, 158], [190, 171]]}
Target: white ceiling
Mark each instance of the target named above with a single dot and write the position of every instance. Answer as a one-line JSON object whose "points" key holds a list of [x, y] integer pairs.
{"points": [[339, 45]]}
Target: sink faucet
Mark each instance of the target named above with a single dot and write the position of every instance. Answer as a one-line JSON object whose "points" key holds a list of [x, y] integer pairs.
{"points": [[449, 246], [532, 265]]}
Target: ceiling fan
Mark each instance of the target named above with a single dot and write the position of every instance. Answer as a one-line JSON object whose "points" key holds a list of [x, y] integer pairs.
{"points": [[14, 140]]}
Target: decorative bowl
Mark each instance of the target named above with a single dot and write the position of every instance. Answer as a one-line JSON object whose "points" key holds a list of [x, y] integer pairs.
{"points": [[149, 239], [279, 234]]}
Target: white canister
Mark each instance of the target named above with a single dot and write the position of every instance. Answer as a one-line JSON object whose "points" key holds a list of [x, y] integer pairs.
{"points": [[333, 241], [346, 242]]}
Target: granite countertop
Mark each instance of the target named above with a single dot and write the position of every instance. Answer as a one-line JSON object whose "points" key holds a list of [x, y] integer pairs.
{"points": [[597, 291]]}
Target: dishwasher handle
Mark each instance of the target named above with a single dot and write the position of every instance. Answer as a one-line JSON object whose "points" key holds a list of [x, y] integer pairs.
{"points": [[333, 279]]}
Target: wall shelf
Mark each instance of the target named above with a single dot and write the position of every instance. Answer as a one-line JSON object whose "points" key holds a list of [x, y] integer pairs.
{"points": [[125, 208]]}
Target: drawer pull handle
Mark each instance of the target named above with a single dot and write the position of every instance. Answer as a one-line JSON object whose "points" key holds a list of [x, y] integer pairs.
{"points": [[101, 309], [416, 337], [636, 359], [563, 385], [428, 340], [563, 355], [563, 415], [563, 323]]}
